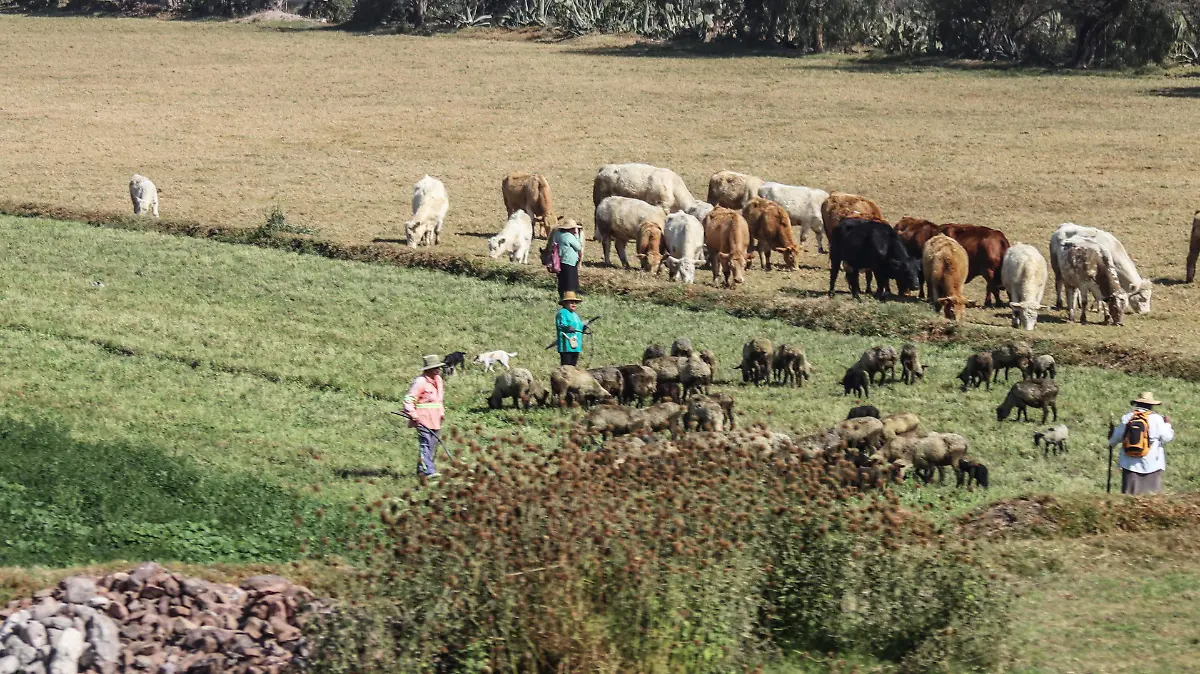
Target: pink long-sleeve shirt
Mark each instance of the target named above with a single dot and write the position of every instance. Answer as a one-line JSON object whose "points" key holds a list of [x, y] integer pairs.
{"points": [[424, 402]]}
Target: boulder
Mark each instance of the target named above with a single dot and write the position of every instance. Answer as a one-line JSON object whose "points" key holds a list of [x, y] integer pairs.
{"points": [[78, 589], [67, 649]]}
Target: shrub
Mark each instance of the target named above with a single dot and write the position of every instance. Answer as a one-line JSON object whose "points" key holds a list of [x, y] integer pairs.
{"points": [[335, 11], [704, 557]]}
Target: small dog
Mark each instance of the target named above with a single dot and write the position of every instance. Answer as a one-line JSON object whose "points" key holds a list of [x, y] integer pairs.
{"points": [[453, 360], [971, 471], [487, 360]]}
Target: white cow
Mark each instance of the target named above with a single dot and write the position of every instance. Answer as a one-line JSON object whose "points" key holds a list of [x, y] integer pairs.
{"points": [[1086, 268], [515, 239], [429, 205], [654, 185], [683, 237], [699, 210], [803, 206], [1024, 274], [1138, 289], [732, 189], [144, 195], [619, 219]]}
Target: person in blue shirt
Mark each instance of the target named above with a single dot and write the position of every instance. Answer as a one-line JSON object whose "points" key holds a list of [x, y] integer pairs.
{"points": [[570, 247], [570, 329]]}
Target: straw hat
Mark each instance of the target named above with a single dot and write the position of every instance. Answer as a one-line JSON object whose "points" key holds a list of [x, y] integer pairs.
{"points": [[1147, 398], [569, 296], [570, 224], [431, 362]]}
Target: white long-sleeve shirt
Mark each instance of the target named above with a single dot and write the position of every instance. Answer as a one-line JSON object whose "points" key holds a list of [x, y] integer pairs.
{"points": [[1156, 459]]}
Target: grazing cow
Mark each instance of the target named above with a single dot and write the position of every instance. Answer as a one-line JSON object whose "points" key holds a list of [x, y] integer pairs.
{"points": [[699, 210], [803, 206], [914, 232], [945, 265], [1193, 248], [726, 236], [515, 239], [1136, 288], [144, 195], [873, 245], [1024, 275], [429, 206], [683, 239], [732, 189], [1085, 267], [770, 230], [985, 250], [657, 186], [530, 192], [840, 205], [620, 220], [650, 245]]}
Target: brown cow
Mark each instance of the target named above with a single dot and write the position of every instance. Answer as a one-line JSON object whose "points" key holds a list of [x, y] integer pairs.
{"points": [[650, 245], [945, 265], [842, 205], [530, 192], [985, 250], [726, 236], [770, 230]]}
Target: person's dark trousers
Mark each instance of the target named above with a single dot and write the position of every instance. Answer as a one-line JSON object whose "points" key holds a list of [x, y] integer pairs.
{"points": [[568, 279], [427, 440], [565, 358]]}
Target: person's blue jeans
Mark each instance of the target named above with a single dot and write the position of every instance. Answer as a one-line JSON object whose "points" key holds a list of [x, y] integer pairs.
{"points": [[427, 441]]}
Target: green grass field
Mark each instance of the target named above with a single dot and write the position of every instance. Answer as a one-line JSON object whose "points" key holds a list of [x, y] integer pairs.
{"points": [[177, 399]]}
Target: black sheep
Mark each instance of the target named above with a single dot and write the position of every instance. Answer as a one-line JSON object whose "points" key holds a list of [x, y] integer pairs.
{"points": [[856, 380], [969, 470], [864, 411]]}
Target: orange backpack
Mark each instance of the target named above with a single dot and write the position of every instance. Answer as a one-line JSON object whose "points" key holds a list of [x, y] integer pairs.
{"points": [[1136, 443]]}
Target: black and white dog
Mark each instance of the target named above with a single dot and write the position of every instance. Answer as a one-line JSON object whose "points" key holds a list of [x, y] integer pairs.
{"points": [[453, 360]]}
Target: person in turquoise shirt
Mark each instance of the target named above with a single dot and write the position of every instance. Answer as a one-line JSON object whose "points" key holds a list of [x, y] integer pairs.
{"points": [[570, 329], [570, 246]]}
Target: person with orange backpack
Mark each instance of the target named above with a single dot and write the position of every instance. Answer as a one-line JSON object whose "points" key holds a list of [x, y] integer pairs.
{"points": [[1141, 435]]}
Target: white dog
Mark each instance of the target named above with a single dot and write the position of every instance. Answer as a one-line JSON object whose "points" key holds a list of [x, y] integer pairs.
{"points": [[487, 360]]}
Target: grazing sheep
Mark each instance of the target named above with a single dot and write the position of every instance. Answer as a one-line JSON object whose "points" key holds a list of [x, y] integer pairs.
{"points": [[705, 415], [790, 365], [937, 450], [756, 361], [429, 206], [803, 206], [681, 347], [667, 370], [144, 195], [971, 471], [694, 375], [910, 364], [530, 192], [905, 424], [1085, 267], [610, 378], [979, 370], [856, 380], [1011, 355], [570, 385], [863, 411], [651, 184], [515, 239], [520, 385], [610, 421], [1023, 273], [1041, 367], [683, 241], [620, 220], [1055, 436], [653, 351], [725, 402], [877, 359], [732, 189], [1039, 393], [709, 356], [864, 433], [664, 417], [639, 384]]}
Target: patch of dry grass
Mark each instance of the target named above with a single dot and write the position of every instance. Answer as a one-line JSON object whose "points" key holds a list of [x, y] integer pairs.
{"points": [[232, 119]]}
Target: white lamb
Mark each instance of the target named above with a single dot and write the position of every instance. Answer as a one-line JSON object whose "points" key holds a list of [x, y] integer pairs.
{"points": [[683, 237], [515, 239], [803, 206], [1024, 274], [144, 195], [429, 205]]}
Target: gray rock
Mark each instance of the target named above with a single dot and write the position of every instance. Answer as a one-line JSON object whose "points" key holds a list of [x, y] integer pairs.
{"points": [[67, 649], [58, 622], [78, 589], [34, 668], [83, 611], [47, 608], [105, 638], [19, 618], [33, 633], [24, 653], [9, 664], [99, 602]]}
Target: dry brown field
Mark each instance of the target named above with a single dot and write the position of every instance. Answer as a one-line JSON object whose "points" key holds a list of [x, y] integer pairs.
{"points": [[231, 119]]}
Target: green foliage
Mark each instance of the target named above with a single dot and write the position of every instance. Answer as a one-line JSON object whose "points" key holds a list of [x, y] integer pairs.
{"points": [[335, 11], [276, 223]]}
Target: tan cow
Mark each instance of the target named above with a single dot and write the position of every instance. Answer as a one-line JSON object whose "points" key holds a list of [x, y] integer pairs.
{"points": [[842, 205], [770, 230], [650, 245], [726, 236], [620, 220], [530, 192], [946, 264], [732, 189]]}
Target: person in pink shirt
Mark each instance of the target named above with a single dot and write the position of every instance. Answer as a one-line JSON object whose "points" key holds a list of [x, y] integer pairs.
{"points": [[423, 406]]}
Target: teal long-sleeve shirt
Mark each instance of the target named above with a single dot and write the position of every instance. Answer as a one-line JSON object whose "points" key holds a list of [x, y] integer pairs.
{"points": [[570, 328], [569, 247]]}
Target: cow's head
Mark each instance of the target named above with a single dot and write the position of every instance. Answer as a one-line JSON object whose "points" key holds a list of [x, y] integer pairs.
{"points": [[1139, 299], [789, 256], [1025, 314], [906, 271], [496, 246], [738, 264], [954, 307], [413, 232], [1116, 304]]}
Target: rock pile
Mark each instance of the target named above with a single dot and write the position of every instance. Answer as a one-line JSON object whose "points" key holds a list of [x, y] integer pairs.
{"points": [[151, 620]]}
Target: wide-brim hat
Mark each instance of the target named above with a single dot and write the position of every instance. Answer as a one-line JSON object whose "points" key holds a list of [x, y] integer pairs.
{"points": [[430, 362], [1147, 398], [569, 296], [570, 224]]}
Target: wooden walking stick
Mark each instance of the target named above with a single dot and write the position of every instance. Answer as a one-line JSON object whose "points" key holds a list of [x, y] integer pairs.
{"points": [[1112, 426]]}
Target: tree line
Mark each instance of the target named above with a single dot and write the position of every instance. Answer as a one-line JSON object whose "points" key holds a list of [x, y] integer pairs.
{"points": [[1059, 33]]}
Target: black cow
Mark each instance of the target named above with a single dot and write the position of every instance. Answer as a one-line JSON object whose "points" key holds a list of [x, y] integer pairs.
{"points": [[875, 247]]}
